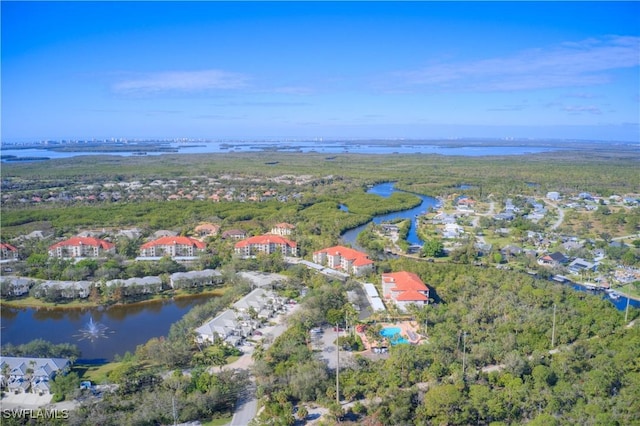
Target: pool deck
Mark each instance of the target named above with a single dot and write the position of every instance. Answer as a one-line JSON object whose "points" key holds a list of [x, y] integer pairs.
{"points": [[407, 330]]}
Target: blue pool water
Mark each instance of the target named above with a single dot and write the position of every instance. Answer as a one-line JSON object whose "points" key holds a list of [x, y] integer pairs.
{"points": [[393, 333]]}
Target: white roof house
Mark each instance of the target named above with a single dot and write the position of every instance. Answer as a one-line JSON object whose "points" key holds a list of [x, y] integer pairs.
{"points": [[31, 373]]}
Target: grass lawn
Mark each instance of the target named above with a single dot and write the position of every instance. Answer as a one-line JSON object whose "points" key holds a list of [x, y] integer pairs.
{"points": [[218, 422], [95, 373], [32, 302], [630, 289]]}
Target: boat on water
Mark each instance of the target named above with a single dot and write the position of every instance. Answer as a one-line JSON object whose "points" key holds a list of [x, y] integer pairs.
{"points": [[614, 294]]}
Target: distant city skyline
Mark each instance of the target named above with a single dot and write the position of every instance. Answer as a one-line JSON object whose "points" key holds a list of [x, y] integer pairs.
{"points": [[277, 70]]}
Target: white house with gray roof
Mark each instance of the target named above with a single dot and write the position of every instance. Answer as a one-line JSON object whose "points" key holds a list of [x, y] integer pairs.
{"points": [[242, 319], [21, 374], [145, 285], [15, 286], [63, 289], [195, 278]]}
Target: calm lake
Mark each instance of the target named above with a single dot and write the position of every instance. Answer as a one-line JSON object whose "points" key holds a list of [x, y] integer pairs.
{"points": [[123, 327]]}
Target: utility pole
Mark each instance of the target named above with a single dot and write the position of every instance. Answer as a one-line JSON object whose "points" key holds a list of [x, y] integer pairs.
{"points": [[553, 330], [626, 311], [175, 413], [338, 364], [464, 352]]}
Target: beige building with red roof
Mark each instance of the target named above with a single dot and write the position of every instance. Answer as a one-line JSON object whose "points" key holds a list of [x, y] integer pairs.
{"points": [[207, 229], [266, 244], [404, 288], [345, 259], [172, 247], [82, 247], [8, 252]]}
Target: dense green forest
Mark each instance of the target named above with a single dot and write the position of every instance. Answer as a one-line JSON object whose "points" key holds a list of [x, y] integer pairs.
{"points": [[584, 170], [495, 324]]}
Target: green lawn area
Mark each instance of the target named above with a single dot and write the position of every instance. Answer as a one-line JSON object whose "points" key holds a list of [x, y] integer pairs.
{"points": [[32, 302], [630, 289], [218, 422], [95, 373]]}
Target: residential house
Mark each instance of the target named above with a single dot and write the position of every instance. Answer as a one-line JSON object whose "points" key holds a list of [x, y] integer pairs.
{"points": [[579, 265], [344, 258], [164, 233], [234, 234], [404, 288], [266, 244], [452, 230], [172, 247], [131, 234], [137, 286], [15, 286], [76, 247], [553, 259], [195, 278], [239, 322], [553, 196], [23, 374], [465, 204], [8, 253], [283, 229], [62, 289], [207, 229], [225, 327], [511, 251], [260, 303], [585, 196]]}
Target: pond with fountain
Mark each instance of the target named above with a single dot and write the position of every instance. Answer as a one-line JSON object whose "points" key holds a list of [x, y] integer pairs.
{"points": [[100, 333]]}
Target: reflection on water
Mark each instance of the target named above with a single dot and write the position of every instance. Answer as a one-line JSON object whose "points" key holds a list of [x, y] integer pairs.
{"points": [[127, 325]]}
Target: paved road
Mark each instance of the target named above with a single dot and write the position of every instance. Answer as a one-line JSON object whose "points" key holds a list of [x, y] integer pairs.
{"points": [[247, 405], [558, 222]]}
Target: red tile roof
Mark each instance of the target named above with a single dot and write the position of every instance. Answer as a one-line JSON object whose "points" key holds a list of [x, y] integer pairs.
{"points": [[87, 241], [265, 239], [356, 256], [8, 247], [411, 295], [405, 281], [167, 241]]}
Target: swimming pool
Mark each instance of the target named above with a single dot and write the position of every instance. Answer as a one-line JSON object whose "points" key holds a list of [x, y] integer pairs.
{"points": [[394, 336]]}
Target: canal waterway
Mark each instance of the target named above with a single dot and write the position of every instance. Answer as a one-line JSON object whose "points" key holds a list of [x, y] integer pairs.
{"points": [[122, 327], [385, 190]]}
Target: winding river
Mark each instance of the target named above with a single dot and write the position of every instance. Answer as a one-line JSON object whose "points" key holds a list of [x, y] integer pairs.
{"points": [[385, 190]]}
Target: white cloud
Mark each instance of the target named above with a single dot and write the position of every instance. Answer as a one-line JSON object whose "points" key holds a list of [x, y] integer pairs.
{"points": [[568, 65], [579, 109], [182, 81]]}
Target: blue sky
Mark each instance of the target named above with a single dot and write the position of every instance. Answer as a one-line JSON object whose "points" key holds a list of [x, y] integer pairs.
{"points": [[241, 70]]}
